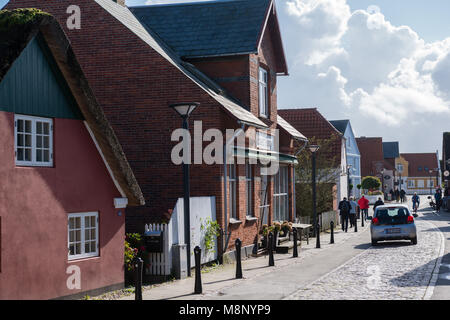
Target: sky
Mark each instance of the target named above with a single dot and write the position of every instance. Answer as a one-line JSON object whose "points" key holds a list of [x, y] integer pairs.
{"points": [[383, 64]]}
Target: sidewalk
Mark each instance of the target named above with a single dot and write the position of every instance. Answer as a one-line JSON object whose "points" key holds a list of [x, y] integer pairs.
{"points": [[223, 277]]}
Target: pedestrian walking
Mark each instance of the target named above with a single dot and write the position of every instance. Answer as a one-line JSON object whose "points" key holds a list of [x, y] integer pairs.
{"points": [[416, 201], [379, 202], [344, 208], [402, 196], [397, 195], [438, 199], [392, 195], [364, 206], [353, 211]]}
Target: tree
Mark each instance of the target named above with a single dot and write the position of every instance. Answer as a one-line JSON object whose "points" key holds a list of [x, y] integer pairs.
{"points": [[327, 172], [370, 183]]}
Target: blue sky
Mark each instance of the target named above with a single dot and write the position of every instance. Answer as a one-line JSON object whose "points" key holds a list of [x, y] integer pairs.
{"points": [[383, 64]]}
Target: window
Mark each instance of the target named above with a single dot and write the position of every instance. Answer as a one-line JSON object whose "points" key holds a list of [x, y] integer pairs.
{"points": [[83, 235], [33, 141], [249, 188], [400, 168], [232, 190], [280, 196], [420, 183], [430, 183], [263, 93], [411, 184], [419, 169]]}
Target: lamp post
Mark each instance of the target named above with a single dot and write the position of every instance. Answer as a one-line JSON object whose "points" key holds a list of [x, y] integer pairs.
{"points": [[349, 166], [185, 110], [382, 183], [314, 149], [430, 172]]}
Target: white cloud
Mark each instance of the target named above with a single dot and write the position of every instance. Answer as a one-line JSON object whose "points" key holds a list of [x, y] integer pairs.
{"points": [[358, 65]]}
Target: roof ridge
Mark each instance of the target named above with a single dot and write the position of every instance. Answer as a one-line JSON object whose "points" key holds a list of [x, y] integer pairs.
{"points": [[193, 3]]}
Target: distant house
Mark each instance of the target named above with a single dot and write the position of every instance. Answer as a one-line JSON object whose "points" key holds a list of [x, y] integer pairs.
{"points": [[423, 172], [352, 153], [372, 157], [392, 166], [140, 61], [313, 124], [65, 179]]}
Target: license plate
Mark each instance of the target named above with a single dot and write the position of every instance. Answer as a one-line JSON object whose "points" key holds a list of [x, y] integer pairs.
{"points": [[393, 230]]}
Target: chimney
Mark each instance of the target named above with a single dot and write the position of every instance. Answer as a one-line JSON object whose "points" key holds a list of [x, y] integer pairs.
{"points": [[121, 2]]}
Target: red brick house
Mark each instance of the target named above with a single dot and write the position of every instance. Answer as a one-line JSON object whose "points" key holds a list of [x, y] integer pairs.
{"points": [[65, 179], [372, 156], [313, 124], [135, 74]]}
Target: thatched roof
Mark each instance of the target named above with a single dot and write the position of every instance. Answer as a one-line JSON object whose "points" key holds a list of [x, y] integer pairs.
{"points": [[17, 29]]}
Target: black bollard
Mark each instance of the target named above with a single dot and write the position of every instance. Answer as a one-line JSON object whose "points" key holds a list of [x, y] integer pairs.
{"points": [[274, 240], [138, 266], [318, 236], [198, 276], [362, 220], [238, 244], [332, 232], [271, 260], [356, 225], [295, 252]]}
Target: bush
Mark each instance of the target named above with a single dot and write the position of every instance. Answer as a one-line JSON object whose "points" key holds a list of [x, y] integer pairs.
{"points": [[134, 247], [370, 183]]}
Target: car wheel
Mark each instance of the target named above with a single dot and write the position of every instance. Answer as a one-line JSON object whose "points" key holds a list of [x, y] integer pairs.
{"points": [[374, 243], [414, 240]]}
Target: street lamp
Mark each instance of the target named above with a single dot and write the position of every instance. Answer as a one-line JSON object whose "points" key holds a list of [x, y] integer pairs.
{"points": [[314, 149], [349, 166], [382, 183], [430, 172], [185, 110]]}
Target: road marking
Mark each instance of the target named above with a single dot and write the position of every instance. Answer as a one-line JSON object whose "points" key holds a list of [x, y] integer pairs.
{"points": [[437, 267]]}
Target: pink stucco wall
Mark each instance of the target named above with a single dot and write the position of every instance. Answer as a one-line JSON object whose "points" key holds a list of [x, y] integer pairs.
{"points": [[34, 208]]}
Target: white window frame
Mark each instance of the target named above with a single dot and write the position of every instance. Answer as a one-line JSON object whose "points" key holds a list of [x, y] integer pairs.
{"points": [[263, 92], [34, 135], [421, 183], [430, 183], [281, 194], [249, 189], [411, 184], [82, 240]]}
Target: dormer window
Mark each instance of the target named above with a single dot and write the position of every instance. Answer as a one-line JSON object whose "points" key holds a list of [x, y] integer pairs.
{"points": [[33, 141], [263, 93]]}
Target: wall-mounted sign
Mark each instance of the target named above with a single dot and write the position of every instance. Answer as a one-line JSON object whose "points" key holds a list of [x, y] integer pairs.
{"points": [[264, 141]]}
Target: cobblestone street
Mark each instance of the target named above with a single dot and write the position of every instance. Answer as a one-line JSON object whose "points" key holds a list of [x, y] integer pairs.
{"points": [[389, 271]]}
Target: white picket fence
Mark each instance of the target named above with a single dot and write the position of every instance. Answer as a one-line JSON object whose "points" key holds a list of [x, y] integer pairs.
{"points": [[161, 263]]}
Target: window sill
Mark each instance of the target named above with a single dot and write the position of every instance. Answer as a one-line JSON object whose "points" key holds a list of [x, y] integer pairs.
{"points": [[250, 218], [234, 221]]}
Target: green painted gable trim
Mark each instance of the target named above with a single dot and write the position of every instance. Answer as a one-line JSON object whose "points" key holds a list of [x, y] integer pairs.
{"points": [[35, 86]]}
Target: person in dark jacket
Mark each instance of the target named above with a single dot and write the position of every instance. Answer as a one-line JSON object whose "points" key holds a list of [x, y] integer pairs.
{"points": [[438, 199], [402, 196], [379, 202], [344, 208], [397, 195]]}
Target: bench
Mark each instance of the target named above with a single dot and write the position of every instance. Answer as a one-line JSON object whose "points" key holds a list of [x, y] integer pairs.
{"points": [[302, 228]]}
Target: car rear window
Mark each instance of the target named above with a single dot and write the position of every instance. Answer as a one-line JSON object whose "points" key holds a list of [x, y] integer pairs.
{"points": [[392, 215]]}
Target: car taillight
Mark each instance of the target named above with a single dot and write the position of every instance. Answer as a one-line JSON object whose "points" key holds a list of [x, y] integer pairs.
{"points": [[410, 219], [375, 220]]}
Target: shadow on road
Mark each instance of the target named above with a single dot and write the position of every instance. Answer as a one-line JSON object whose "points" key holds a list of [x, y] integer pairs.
{"points": [[407, 279]]}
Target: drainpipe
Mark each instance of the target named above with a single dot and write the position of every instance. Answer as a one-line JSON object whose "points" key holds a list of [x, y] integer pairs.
{"points": [[293, 178], [225, 148]]}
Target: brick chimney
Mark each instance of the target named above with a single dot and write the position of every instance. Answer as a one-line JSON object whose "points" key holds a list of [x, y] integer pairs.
{"points": [[121, 2]]}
